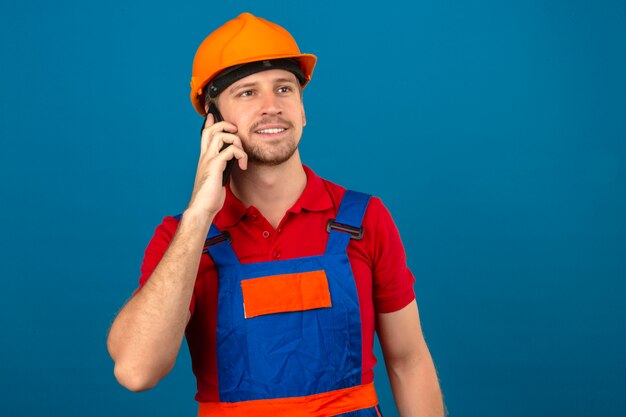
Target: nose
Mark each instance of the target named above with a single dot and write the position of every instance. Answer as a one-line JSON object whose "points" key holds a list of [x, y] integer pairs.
{"points": [[271, 104]]}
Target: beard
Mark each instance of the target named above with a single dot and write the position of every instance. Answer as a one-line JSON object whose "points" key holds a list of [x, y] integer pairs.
{"points": [[272, 152]]}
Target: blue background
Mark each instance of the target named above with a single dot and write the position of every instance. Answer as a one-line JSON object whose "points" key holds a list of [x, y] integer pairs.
{"points": [[494, 131]]}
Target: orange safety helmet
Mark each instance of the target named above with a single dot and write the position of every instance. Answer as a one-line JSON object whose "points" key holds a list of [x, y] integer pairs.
{"points": [[245, 39]]}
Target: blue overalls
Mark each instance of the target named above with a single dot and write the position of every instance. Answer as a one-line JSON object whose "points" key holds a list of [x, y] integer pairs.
{"points": [[289, 332]]}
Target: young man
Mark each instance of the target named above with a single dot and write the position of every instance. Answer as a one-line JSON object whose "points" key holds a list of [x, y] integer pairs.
{"points": [[279, 278]]}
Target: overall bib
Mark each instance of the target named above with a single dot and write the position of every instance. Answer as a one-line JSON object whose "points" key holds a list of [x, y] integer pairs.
{"points": [[289, 332]]}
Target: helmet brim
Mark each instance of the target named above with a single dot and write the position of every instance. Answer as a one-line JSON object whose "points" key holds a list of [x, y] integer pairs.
{"points": [[307, 64]]}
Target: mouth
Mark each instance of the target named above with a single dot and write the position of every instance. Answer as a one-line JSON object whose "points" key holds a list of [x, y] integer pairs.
{"points": [[270, 127], [270, 131]]}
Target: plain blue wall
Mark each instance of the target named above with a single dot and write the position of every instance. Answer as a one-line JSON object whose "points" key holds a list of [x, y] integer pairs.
{"points": [[494, 131]]}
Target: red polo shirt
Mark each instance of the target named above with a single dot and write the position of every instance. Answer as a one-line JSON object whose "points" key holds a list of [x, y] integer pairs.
{"points": [[384, 282]]}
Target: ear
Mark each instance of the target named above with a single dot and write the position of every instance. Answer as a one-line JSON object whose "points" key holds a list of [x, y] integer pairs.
{"points": [[303, 116]]}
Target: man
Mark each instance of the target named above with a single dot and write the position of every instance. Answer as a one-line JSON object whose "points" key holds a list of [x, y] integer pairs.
{"points": [[279, 278]]}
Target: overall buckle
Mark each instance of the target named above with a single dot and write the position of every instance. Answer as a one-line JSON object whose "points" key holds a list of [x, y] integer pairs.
{"points": [[355, 233], [224, 236]]}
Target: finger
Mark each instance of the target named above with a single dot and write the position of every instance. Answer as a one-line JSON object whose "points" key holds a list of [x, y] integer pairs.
{"points": [[227, 126], [209, 120], [221, 126], [212, 130], [204, 132], [220, 140], [234, 152]]}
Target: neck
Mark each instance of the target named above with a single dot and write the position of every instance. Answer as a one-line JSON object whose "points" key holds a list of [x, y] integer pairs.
{"points": [[271, 189]]}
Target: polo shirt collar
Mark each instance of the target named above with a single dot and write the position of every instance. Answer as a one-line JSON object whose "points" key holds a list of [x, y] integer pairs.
{"points": [[315, 197], [232, 211]]}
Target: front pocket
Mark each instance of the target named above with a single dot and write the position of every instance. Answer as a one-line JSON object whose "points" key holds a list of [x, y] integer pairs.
{"points": [[285, 293]]}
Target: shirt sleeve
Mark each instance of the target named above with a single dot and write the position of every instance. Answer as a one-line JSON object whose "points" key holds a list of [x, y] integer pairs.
{"points": [[155, 250], [392, 279]]}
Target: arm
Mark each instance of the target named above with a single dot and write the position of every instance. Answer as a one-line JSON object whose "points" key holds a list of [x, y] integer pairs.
{"points": [[410, 368], [146, 335]]}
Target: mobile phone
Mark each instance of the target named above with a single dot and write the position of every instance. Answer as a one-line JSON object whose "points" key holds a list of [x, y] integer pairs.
{"points": [[217, 117]]}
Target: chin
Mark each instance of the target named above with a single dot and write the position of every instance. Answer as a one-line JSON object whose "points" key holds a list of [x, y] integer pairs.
{"points": [[270, 157]]}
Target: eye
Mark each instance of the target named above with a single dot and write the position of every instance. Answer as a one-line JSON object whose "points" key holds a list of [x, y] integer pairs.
{"points": [[246, 93], [284, 89]]}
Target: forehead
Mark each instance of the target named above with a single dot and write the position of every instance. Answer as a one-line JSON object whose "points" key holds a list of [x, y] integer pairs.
{"points": [[272, 76]]}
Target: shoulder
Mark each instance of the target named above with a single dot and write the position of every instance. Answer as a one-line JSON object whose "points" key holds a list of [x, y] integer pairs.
{"points": [[335, 192], [165, 231], [375, 207], [163, 235]]}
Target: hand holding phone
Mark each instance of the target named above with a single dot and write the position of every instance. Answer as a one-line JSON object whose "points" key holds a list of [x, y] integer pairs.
{"points": [[217, 117]]}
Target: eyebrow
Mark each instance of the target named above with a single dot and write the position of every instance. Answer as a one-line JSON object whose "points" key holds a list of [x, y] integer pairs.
{"points": [[239, 86], [286, 80], [236, 87]]}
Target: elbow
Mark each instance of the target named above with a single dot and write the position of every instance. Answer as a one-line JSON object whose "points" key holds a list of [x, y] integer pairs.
{"points": [[409, 362], [132, 380], [136, 380], [138, 372]]}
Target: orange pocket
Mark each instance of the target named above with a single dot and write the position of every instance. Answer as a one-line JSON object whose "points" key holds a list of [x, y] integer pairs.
{"points": [[287, 292]]}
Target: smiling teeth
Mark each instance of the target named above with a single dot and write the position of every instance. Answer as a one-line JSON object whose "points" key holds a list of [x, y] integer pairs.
{"points": [[270, 130]]}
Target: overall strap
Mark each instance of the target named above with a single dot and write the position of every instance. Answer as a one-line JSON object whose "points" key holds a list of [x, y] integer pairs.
{"points": [[347, 224], [217, 244]]}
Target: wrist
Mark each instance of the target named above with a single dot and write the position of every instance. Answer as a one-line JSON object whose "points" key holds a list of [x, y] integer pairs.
{"points": [[197, 219]]}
